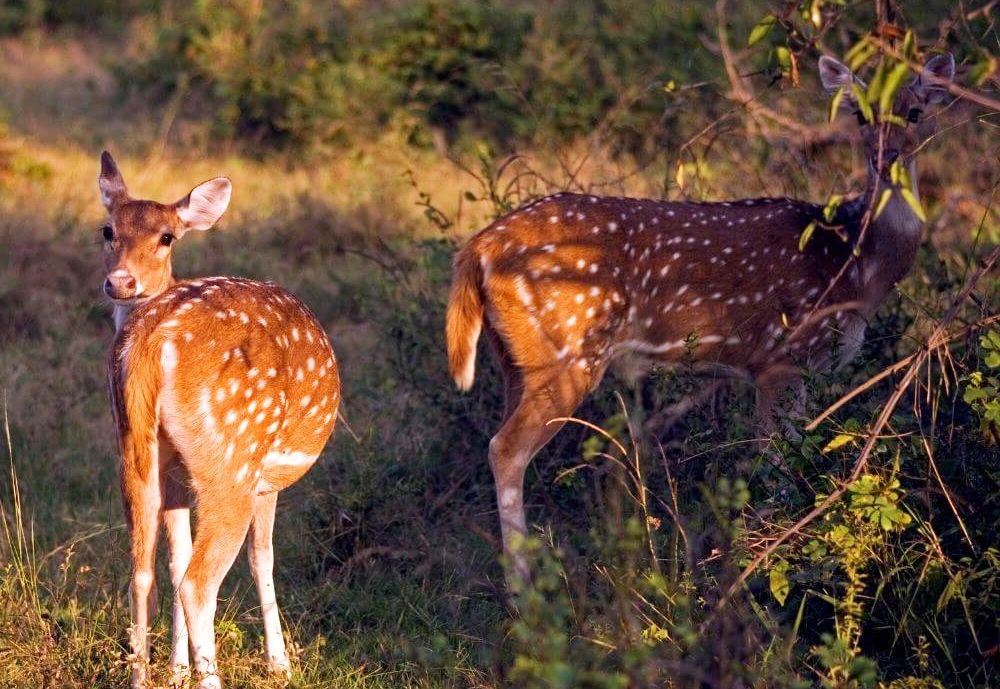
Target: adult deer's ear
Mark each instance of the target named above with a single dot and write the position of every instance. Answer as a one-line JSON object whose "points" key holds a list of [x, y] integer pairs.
{"points": [[836, 75], [111, 183], [931, 84], [205, 204]]}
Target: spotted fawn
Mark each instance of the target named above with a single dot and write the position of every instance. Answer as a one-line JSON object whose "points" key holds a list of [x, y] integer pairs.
{"points": [[224, 391]]}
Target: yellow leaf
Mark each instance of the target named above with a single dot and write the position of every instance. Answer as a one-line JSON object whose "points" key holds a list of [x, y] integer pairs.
{"points": [[679, 176], [806, 234], [883, 202], [815, 16], [779, 584], [835, 103], [914, 203], [875, 85], [839, 441]]}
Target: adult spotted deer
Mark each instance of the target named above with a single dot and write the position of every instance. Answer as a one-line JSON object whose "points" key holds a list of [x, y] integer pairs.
{"points": [[224, 390], [569, 283]]}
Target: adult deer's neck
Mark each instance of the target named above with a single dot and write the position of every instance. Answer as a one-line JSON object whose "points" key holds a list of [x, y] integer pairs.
{"points": [[891, 241]]}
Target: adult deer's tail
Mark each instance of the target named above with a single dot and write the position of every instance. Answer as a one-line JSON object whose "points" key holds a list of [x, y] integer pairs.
{"points": [[465, 317]]}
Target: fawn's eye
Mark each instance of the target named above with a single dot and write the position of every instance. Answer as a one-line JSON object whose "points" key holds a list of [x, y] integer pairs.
{"points": [[108, 233], [913, 115], [861, 118], [167, 239]]}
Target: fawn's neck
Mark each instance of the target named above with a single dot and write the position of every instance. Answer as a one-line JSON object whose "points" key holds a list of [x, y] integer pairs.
{"points": [[123, 310], [891, 242]]}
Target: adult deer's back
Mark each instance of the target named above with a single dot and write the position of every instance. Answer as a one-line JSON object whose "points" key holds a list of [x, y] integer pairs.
{"points": [[569, 283]]}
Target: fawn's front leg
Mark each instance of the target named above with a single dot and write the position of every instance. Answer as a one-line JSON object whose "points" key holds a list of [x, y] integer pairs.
{"points": [[143, 501]]}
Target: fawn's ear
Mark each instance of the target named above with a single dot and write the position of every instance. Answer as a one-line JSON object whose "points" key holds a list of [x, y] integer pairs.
{"points": [[111, 183], [930, 84], [836, 75], [205, 204]]}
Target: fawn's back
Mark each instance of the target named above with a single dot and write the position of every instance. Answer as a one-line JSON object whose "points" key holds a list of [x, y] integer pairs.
{"points": [[246, 376]]}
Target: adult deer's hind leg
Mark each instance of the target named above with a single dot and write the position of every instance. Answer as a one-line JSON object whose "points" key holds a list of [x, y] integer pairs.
{"points": [[544, 395]]}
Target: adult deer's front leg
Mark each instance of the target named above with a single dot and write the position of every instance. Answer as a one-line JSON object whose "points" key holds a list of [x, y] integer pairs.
{"points": [[260, 552], [177, 524], [142, 501], [781, 398]]}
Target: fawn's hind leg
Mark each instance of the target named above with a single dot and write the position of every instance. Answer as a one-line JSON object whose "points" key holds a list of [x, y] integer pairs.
{"points": [[260, 552]]}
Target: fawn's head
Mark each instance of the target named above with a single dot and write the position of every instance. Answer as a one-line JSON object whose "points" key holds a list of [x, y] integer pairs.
{"points": [[914, 110], [139, 235]]}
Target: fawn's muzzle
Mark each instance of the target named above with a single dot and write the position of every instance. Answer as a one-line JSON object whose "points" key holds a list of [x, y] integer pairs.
{"points": [[120, 285]]}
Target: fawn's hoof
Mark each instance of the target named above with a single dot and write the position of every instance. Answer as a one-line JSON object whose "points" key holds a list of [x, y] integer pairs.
{"points": [[180, 676], [210, 682], [280, 667]]}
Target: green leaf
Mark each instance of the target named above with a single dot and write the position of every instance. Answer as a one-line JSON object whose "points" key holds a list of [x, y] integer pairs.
{"points": [[859, 54], [891, 86], [981, 71], [883, 201], [778, 582], [914, 203], [762, 29], [784, 58], [910, 45], [863, 104], [806, 235], [876, 84], [974, 395], [952, 588]]}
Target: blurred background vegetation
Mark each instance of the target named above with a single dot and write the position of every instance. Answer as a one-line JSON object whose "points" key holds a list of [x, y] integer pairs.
{"points": [[366, 139]]}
